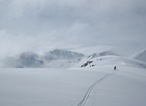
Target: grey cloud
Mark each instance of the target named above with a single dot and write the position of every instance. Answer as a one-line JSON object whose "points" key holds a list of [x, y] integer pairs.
{"points": [[58, 23]]}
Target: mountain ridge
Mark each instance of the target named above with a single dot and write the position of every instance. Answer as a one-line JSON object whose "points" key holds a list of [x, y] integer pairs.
{"points": [[59, 58], [141, 56]]}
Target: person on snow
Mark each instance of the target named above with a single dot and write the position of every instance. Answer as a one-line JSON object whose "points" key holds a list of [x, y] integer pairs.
{"points": [[115, 68]]}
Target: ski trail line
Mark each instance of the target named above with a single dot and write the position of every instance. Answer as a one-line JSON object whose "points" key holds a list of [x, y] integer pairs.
{"points": [[86, 96]]}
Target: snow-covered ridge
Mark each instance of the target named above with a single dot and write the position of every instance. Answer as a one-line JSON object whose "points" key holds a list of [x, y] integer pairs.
{"points": [[103, 53], [61, 54], [141, 56], [111, 58], [65, 59], [55, 58]]}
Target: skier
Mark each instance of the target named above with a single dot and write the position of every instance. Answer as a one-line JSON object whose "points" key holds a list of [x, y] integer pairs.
{"points": [[115, 68]]}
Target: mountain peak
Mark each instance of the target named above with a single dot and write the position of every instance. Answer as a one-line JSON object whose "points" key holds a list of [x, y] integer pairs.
{"points": [[140, 55], [62, 54]]}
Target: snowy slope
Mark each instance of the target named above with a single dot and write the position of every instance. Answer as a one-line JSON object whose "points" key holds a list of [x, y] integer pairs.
{"points": [[92, 49], [96, 61], [61, 58], [27, 59], [124, 87], [96, 83], [96, 86], [58, 54], [103, 53], [140, 55], [67, 59], [57, 58]]}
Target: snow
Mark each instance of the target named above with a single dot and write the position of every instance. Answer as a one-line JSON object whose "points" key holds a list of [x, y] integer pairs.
{"points": [[65, 59], [37, 87], [52, 59], [73, 87], [141, 56], [93, 49], [110, 60], [69, 84]]}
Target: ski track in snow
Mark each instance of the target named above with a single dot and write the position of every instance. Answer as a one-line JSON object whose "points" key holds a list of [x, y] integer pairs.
{"points": [[90, 89]]}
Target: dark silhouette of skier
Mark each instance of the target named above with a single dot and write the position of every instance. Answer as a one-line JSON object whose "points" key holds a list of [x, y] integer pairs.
{"points": [[115, 68]]}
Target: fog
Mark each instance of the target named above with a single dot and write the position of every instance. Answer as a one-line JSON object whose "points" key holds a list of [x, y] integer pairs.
{"points": [[40, 25]]}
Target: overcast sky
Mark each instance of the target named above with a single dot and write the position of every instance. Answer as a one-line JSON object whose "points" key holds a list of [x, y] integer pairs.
{"points": [[42, 24]]}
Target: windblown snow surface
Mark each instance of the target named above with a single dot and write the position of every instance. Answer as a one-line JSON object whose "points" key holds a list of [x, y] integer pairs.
{"points": [[89, 86], [89, 81]]}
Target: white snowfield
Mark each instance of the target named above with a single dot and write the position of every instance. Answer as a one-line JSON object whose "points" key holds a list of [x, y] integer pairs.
{"points": [[74, 80], [90, 86]]}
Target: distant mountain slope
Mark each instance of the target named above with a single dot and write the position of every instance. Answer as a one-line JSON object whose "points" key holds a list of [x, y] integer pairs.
{"points": [[27, 59], [103, 53], [93, 49], [62, 54], [56, 58], [65, 59], [140, 55], [61, 58], [111, 60]]}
